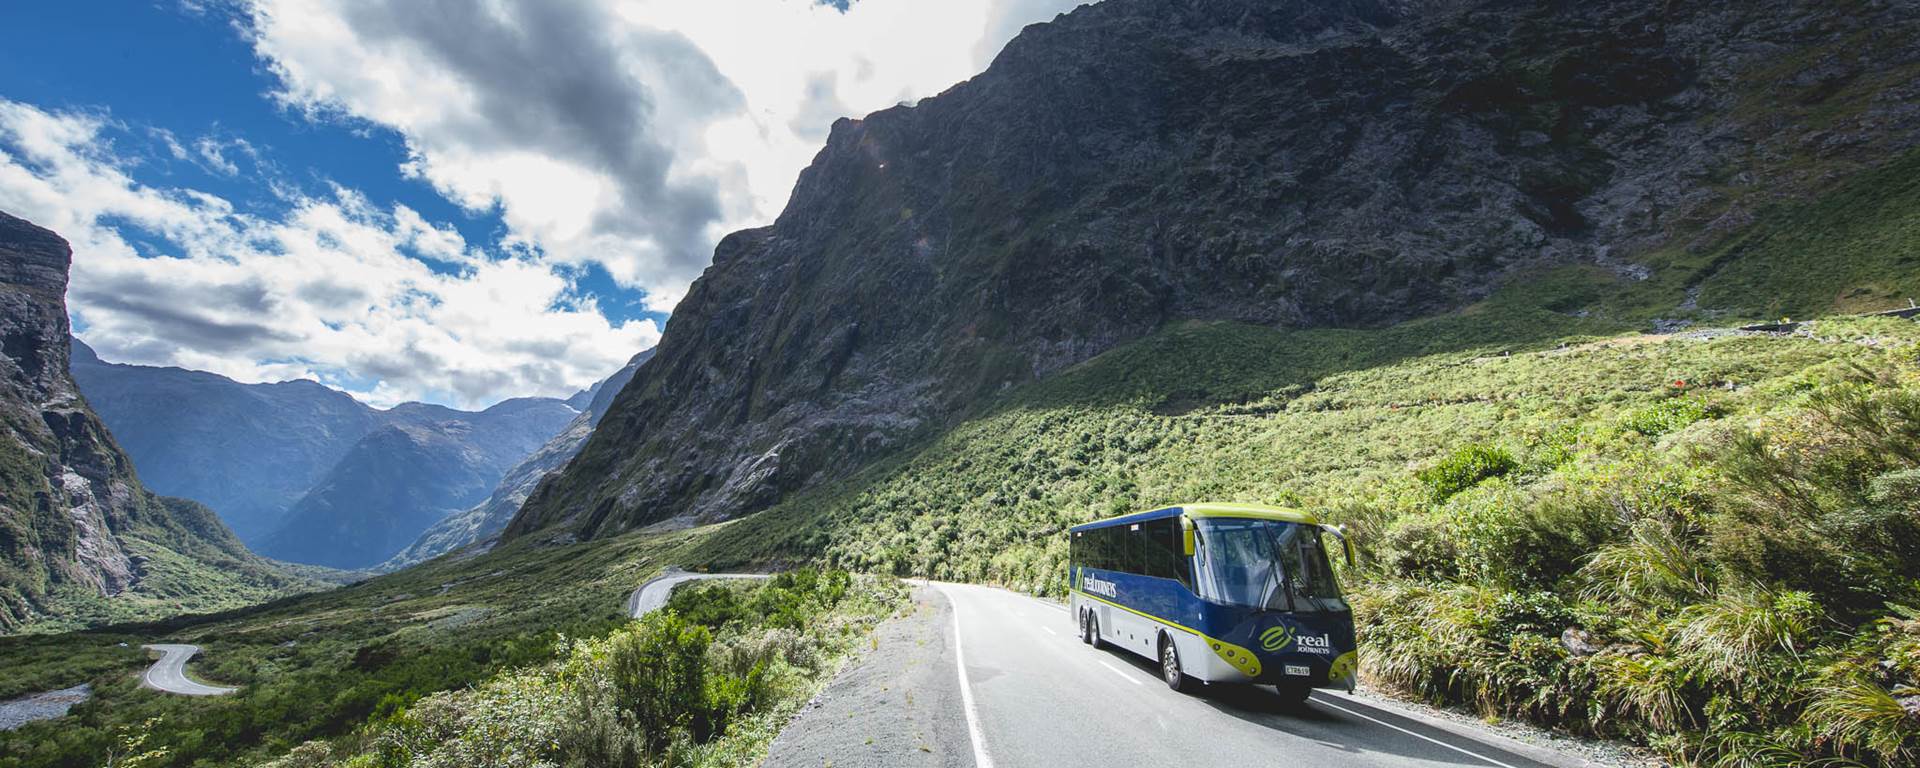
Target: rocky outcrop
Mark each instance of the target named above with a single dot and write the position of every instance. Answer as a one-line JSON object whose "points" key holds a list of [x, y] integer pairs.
{"points": [[76, 525], [482, 524], [1293, 163]]}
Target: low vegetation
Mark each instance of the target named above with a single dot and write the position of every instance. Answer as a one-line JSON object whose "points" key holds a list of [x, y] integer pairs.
{"points": [[707, 681], [323, 666]]}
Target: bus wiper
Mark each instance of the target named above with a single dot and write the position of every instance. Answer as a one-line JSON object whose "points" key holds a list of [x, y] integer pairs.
{"points": [[1282, 580]]}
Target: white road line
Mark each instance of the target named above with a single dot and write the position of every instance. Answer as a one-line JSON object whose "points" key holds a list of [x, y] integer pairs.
{"points": [[1049, 629], [980, 758], [1128, 677], [1468, 753]]}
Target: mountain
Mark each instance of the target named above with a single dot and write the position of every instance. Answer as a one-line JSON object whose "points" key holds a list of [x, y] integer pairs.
{"points": [[408, 475], [247, 450], [484, 521], [1299, 164], [255, 451], [81, 539]]}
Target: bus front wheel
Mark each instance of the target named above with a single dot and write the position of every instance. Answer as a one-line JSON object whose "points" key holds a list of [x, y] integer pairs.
{"points": [[1092, 632], [1293, 695], [1171, 670]]}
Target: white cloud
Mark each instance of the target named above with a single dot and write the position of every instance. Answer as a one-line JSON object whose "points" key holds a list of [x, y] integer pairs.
{"points": [[212, 152], [337, 289], [631, 133]]}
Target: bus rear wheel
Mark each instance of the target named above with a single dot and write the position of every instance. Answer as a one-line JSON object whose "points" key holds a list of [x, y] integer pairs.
{"points": [[1093, 632], [1171, 670]]}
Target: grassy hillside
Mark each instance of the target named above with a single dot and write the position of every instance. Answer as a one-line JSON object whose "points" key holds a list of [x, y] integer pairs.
{"points": [[184, 571]]}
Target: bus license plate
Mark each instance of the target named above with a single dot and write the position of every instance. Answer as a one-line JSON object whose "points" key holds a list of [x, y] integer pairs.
{"points": [[1298, 671]]}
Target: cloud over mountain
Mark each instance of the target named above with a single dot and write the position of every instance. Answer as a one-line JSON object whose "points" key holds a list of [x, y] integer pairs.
{"points": [[628, 134], [374, 300]]}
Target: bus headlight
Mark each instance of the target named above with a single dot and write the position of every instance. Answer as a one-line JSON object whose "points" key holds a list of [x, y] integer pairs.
{"points": [[1241, 658]]}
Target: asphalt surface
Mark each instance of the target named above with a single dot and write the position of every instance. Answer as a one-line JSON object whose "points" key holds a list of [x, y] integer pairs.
{"points": [[652, 596], [1033, 695], [170, 672]]}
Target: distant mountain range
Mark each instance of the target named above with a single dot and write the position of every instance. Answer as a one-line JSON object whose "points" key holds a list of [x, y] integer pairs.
{"points": [[483, 522], [306, 473], [250, 451], [82, 541], [406, 476]]}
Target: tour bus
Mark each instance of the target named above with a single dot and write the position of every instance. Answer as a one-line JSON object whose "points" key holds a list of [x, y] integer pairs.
{"points": [[1217, 593]]}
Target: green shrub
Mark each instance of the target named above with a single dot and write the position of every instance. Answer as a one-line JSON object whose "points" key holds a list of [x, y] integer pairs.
{"points": [[1421, 547], [1670, 415], [1530, 613], [658, 674], [1517, 539], [1466, 467]]}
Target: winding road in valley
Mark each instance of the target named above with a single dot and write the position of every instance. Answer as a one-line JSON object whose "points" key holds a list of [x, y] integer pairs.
{"points": [[170, 672], [652, 596], [979, 676]]}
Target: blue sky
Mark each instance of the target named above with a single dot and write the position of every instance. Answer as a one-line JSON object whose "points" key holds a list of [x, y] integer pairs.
{"points": [[448, 201], [189, 70]]}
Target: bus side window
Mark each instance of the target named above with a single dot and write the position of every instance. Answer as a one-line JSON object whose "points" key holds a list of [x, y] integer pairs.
{"points": [[1100, 548], [1161, 550]]}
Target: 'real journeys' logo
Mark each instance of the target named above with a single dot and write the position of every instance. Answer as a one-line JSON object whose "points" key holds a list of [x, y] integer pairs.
{"points": [[1097, 585], [1277, 637]]}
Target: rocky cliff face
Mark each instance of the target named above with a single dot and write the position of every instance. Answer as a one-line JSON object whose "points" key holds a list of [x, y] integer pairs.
{"points": [[1295, 163], [484, 521], [404, 477], [76, 525]]}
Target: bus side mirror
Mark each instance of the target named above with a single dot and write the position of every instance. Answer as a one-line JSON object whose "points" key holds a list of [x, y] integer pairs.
{"points": [[1346, 545], [1186, 537]]}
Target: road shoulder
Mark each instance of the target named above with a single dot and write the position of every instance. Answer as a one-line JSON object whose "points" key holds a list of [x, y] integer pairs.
{"points": [[896, 705]]}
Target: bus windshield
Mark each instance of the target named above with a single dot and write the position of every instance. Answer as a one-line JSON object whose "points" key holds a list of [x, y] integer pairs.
{"points": [[1265, 564]]}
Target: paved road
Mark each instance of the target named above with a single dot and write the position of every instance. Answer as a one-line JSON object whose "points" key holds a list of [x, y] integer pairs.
{"points": [[652, 596], [170, 672], [1033, 695]]}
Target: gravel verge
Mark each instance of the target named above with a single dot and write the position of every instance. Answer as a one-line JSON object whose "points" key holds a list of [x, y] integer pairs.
{"points": [[894, 706]]}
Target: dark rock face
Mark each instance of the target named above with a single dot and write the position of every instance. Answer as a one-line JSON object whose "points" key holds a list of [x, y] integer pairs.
{"points": [[483, 523], [1293, 163], [405, 477], [74, 520], [34, 308]]}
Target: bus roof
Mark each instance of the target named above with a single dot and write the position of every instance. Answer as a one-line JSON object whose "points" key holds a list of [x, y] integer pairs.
{"points": [[1255, 511]]}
